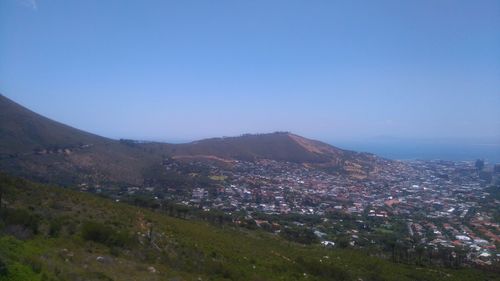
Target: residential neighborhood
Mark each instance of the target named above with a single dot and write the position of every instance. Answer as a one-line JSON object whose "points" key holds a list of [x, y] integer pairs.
{"points": [[438, 205]]}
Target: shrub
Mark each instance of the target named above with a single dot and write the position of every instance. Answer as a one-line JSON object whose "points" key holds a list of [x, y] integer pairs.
{"points": [[55, 227], [19, 272], [100, 233], [20, 217], [3, 268], [34, 263], [300, 235]]}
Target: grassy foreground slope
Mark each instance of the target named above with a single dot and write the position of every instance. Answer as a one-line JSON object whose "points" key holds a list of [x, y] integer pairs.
{"points": [[50, 233]]}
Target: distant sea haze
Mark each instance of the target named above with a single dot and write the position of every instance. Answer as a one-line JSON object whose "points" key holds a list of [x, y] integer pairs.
{"points": [[427, 150]]}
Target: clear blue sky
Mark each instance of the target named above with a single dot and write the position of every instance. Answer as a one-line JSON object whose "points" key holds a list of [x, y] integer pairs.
{"points": [[182, 70]]}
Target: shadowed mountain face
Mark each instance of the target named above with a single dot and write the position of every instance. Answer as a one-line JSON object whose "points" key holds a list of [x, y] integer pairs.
{"points": [[22, 130], [42, 149], [45, 150]]}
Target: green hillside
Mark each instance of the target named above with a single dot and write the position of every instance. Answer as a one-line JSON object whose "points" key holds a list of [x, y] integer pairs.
{"points": [[50, 233]]}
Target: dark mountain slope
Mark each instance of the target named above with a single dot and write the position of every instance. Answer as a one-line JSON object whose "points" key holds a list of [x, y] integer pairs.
{"points": [[22, 130], [36, 147]]}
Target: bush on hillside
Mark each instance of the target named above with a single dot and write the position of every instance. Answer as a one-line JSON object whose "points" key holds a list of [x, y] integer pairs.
{"points": [[20, 217], [3, 268], [300, 235], [100, 233]]}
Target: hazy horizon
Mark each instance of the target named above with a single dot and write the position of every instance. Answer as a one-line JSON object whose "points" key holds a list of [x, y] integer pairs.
{"points": [[329, 70]]}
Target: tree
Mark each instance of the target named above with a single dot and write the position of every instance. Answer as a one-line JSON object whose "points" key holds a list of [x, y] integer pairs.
{"points": [[3, 268], [420, 251], [300, 235], [101, 233], [1, 192]]}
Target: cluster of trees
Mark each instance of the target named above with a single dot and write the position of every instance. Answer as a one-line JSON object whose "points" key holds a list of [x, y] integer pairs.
{"points": [[26, 220], [182, 177], [399, 249], [299, 234], [177, 210], [3, 268]]}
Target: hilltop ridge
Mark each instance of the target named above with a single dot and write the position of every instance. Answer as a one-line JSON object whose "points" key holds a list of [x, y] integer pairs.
{"points": [[45, 150]]}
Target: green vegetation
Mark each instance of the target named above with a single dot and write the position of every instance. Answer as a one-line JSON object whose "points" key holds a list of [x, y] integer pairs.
{"points": [[100, 233], [50, 233], [301, 235]]}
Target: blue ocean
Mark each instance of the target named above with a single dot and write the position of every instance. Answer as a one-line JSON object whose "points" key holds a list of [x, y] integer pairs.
{"points": [[427, 150]]}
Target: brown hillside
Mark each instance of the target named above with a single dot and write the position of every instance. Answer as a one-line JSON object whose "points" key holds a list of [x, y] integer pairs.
{"points": [[36, 147]]}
